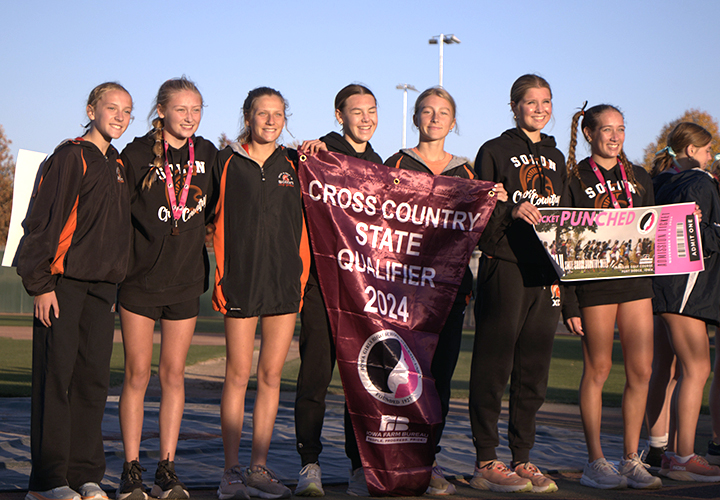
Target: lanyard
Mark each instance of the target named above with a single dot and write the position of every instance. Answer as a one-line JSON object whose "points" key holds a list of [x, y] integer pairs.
{"points": [[601, 178], [177, 209]]}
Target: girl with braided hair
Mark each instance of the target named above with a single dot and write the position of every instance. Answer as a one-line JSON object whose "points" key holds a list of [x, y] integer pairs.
{"points": [[687, 303], [169, 176], [607, 179]]}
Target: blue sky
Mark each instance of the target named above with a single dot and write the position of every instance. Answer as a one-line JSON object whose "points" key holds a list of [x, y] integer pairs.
{"points": [[653, 59]]}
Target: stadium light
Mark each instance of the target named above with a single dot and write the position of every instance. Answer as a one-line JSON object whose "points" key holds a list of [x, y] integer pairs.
{"points": [[441, 40], [405, 87]]}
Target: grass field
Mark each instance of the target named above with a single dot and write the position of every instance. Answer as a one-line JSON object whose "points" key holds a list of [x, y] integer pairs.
{"points": [[565, 368]]}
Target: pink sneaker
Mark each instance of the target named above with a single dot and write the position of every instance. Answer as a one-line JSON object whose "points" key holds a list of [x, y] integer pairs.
{"points": [[495, 476], [664, 465], [695, 469], [540, 483]]}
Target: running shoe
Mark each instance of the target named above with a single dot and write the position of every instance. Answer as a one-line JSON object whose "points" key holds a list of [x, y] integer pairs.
{"points": [[602, 475], [665, 463], [695, 469], [635, 471], [438, 484], [59, 493], [131, 484], [540, 482], [713, 454], [167, 485], [495, 476], [654, 456], [262, 482], [92, 491], [357, 485], [310, 482], [232, 485]]}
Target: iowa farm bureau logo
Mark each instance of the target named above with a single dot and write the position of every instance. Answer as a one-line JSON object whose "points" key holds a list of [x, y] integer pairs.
{"points": [[388, 369], [285, 179]]}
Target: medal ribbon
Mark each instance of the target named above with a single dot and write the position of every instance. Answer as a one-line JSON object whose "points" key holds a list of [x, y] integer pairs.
{"points": [[177, 209], [601, 178]]}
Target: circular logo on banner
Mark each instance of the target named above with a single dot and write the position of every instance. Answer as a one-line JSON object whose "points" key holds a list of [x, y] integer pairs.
{"points": [[647, 221], [388, 369]]}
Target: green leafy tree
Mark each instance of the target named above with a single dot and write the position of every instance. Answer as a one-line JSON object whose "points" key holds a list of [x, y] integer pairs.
{"points": [[702, 118], [7, 176]]}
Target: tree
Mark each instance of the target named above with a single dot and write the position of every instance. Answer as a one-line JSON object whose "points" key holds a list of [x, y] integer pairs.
{"points": [[7, 176], [702, 118], [223, 141]]}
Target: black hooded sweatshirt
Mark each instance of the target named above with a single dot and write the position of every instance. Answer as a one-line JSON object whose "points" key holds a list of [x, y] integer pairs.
{"points": [[533, 172], [337, 144], [168, 268]]}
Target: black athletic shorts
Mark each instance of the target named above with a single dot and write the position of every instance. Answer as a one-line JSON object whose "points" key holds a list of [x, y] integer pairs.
{"points": [[182, 310]]}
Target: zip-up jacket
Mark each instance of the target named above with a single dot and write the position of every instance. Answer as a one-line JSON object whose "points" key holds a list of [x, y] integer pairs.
{"points": [[79, 225], [167, 268], [588, 192], [409, 160], [696, 294], [260, 240], [533, 172]]}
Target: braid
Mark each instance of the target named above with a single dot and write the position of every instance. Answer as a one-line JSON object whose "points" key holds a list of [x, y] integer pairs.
{"points": [[571, 160], [630, 171], [158, 150], [662, 162]]}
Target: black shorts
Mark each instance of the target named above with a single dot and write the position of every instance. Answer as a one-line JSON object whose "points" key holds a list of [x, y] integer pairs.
{"points": [[613, 291], [174, 312]]}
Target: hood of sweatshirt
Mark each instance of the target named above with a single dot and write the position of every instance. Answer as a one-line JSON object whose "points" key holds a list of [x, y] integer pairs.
{"points": [[454, 161], [337, 144]]}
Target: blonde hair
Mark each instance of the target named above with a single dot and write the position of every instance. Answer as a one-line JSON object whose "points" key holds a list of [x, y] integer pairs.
{"points": [[164, 95], [438, 92], [249, 106], [98, 92]]}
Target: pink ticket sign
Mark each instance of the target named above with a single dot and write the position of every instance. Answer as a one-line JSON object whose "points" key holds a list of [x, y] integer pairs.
{"points": [[590, 244]]}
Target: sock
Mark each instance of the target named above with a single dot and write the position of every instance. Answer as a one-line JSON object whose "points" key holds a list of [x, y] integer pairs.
{"points": [[683, 460], [658, 441]]}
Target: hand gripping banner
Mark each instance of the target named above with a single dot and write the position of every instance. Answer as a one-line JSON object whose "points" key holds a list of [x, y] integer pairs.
{"points": [[391, 247]]}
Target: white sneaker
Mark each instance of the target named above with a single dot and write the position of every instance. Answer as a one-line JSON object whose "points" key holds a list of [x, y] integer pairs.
{"points": [[310, 482], [59, 493], [92, 491], [635, 471], [438, 484], [357, 485], [602, 475]]}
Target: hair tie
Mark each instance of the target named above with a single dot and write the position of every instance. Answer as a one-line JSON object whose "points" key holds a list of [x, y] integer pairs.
{"points": [[668, 150], [582, 110]]}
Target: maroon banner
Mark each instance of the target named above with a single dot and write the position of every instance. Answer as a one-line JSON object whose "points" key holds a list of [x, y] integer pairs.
{"points": [[391, 247]]}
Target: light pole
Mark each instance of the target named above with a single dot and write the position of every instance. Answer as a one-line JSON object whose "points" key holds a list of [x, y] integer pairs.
{"points": [[405, 87], [442, 40]]}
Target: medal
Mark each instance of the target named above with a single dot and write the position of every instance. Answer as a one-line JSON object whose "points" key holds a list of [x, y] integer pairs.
{"points": [[175, 208]]}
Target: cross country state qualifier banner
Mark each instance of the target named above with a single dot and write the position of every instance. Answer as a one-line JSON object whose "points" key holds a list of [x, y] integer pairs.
{"points": [[391, 247], [588, 244]]}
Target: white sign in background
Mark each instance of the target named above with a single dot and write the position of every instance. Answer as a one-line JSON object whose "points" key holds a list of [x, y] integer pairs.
{"points": [[26, 169]]}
